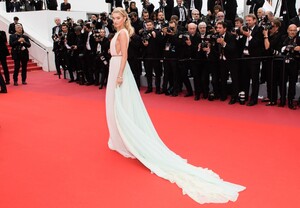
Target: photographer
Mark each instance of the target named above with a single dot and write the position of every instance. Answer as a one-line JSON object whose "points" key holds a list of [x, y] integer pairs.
{"points": [[20, 44], [106, 23], [102, 57], [272, 43], [160, 22], [252, 50], [188, 42], [89, 54], [291, 48], [227, 51], [201, 68], [166, 7], [170, 53], [136, 23], [181, 12], [151, 40]]}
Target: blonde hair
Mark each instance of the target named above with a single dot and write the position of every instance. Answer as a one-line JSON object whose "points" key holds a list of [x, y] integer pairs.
{"points": [[127, 24]]}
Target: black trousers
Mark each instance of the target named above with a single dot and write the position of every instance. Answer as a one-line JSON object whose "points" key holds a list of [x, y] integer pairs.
{"points": [[170, 79], [150, 66], [250, 71], [136, 68], [2, 83], [183, 68], [200, 73], [226, 67], [18, 61], [5, 68], [273, 69], [88, 66], [290, 74]]}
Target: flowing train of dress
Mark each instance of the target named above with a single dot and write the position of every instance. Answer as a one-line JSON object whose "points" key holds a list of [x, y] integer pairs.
{"points": [[132, 134]]}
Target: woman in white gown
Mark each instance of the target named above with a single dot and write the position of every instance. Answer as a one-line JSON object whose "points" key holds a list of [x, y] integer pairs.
{"points": [[133, 135]]}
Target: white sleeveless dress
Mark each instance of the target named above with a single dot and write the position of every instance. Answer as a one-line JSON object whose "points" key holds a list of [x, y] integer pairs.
{"points": [[133, 135]]}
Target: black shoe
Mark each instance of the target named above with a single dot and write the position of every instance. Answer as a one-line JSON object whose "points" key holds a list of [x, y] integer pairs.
{"points": [[7, 82], [189, 94], [174, 94], [24, 83], [252, 103], [197, 97], [265, 100], [281, 104], [291, 105], [148, 91], [271, 103], [72, 80], [232, 101], [3, 91], [100, 86], [88, 83], [16, 84], [223, 98], [158, 92]]}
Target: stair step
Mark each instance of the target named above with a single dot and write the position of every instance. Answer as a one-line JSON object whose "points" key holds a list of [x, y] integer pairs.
{"points": [[11, 65]]}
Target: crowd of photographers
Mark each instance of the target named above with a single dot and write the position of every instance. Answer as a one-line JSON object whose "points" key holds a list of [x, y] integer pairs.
{"points": [[222, 54]]}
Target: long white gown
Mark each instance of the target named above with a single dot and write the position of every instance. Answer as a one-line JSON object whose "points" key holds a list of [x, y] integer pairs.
{"points": [[133, 135]]}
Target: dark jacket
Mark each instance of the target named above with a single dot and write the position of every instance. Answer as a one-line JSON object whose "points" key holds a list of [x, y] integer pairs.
{"points": [[19, 50], [3, 44]]}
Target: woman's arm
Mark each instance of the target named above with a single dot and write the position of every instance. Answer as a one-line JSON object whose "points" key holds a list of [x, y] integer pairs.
{"points": [[123, 41]]}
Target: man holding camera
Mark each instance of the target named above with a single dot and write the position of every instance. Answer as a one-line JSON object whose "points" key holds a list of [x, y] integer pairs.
{"points": [[188, 42], [151, 42], [252, 50], [20, 44], [291, 48], [102, 57], [273, 44], [227, 51]]}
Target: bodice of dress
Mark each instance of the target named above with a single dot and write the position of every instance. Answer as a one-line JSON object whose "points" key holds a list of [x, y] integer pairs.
{"points": [[113, 50]]}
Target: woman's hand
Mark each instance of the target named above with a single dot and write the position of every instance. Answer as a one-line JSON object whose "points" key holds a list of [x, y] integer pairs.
{"points": [[119, 81]]}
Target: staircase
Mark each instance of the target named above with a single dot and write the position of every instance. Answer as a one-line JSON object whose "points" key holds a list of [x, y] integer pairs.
{"points": [[31, 66]]}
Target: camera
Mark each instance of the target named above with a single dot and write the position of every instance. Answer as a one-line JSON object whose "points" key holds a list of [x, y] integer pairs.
{"points": [[236, 30], [245, 28], [102, 58], [146, 35], [184, 36], [103, 16], [204, 44], [265, 23], [215, 36]]}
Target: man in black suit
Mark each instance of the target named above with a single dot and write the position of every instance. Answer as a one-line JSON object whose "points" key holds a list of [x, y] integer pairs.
{"points": [[288, 9], [12, 26], [291, 48], [212, 3], [20, 44], [56, 30], [227, 50], [15, 6], [3, 54], [252, 50], [193, 4], [181, 12]]}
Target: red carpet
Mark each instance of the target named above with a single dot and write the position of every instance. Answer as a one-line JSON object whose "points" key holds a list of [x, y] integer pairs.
{"points": [[53, 150]]}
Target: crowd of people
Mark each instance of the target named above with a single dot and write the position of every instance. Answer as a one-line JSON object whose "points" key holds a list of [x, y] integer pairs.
{"points": [[35, 5], [174, 43], [220, 53]]}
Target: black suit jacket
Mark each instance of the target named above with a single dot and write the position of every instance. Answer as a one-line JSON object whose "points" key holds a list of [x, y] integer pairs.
{"points": [[230, 50], [212, 3], [175, 11], [16, 45], [256, 44], [3, 47], [290, 7]]}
